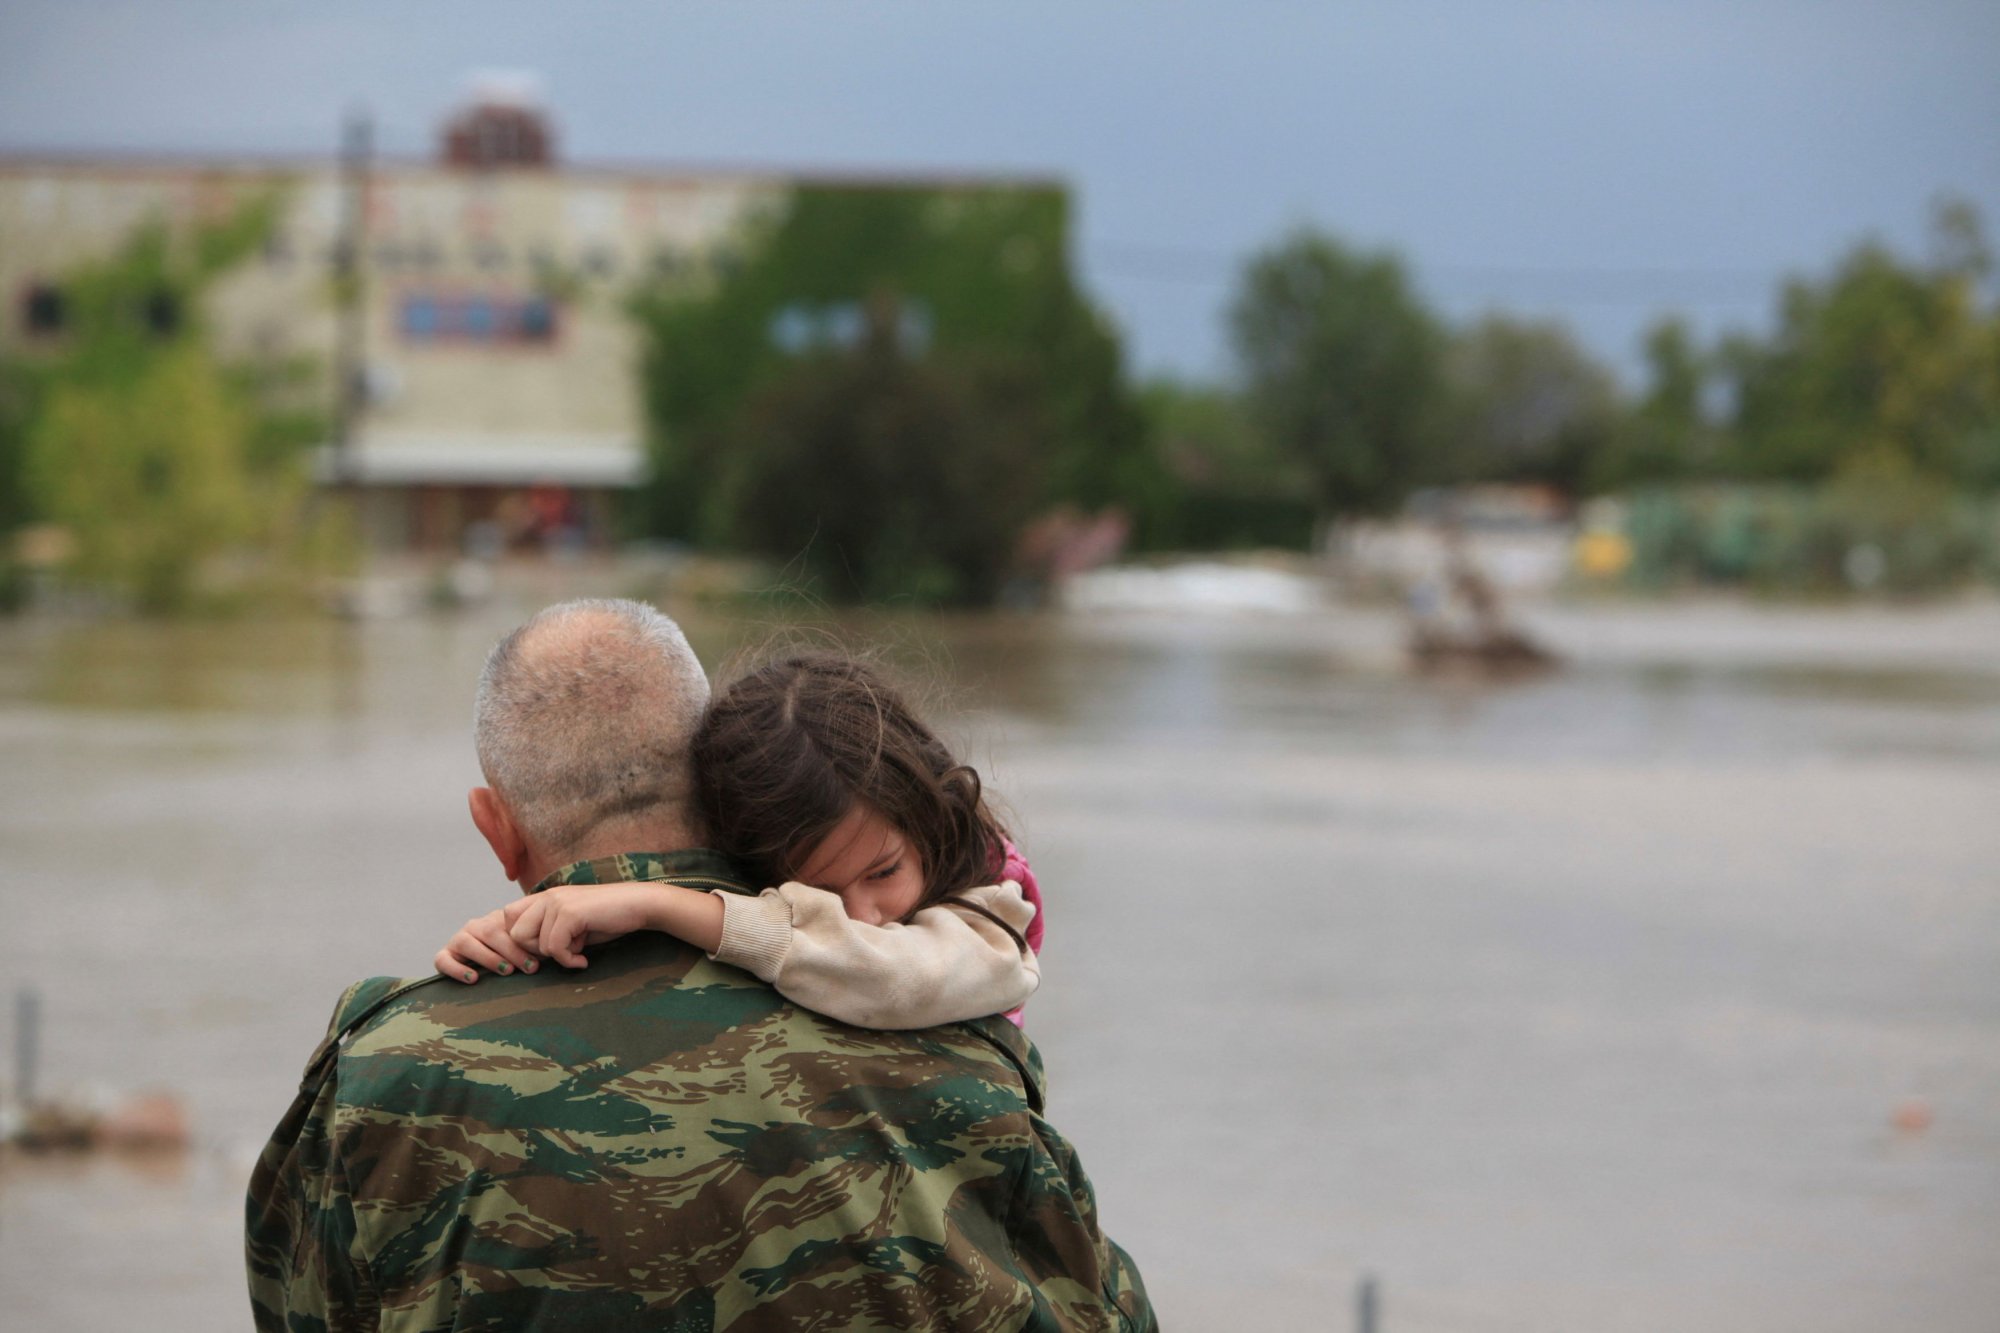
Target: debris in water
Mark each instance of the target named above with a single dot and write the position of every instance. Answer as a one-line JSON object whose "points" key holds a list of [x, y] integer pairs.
{"points": [[1913, 1116]]}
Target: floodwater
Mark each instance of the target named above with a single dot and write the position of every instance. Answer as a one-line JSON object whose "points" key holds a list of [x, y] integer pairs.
{"points": [[1586, 1002]]}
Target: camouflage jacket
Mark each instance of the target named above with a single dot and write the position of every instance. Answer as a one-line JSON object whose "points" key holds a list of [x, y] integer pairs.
{"points": [[662, 1142]]}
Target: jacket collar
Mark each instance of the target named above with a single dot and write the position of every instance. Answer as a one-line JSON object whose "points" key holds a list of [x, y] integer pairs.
{"points": [[695, 868]]}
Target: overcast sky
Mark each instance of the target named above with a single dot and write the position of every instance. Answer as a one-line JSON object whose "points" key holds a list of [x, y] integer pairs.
{"points": [[1601, 162]]}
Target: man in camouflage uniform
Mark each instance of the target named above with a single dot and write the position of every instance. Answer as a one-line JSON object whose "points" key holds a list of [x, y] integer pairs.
{"points": [[661, 1141]]}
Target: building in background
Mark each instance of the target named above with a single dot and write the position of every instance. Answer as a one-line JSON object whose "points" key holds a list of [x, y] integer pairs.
{"points": [[495, 398]]}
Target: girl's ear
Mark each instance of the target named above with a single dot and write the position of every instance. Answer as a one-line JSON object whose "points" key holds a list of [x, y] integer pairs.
{"points": [[496, 824]]}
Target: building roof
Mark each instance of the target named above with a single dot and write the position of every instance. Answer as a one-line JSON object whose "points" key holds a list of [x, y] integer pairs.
{"points": [[250, 163]]}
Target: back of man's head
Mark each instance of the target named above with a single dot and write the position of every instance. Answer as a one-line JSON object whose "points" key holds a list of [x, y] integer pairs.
{"points": [[583, 723]]}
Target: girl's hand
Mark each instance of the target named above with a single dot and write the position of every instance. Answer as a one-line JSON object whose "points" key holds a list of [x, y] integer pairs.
{"points": [[560, 923], [483, 942]]}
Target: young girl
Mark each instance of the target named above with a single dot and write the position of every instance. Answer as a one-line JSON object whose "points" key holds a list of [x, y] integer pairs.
{"points": [[816, 775]]}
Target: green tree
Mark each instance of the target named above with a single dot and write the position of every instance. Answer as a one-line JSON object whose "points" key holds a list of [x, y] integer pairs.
{"points": [[885, 477], [131, 434], [20, 403], [1528, 404], [1226, 485], [149, 477], [1668, 436], [1342, 368], [1885, 357], [977, 272]]}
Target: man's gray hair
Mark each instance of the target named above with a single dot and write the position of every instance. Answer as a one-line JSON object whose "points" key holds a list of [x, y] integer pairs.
{"points": [[586, 716]]}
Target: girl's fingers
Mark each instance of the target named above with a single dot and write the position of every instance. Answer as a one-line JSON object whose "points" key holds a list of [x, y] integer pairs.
{"points": [[561, 936], [474, 951], [449, 964], [525, 926], [492, 932]]}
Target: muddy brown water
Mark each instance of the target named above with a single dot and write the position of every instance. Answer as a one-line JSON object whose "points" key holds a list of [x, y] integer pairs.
{"points": [[1578, 1003]]}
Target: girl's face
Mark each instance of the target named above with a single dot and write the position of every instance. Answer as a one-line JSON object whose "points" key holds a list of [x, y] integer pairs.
{"points": [[870, 864]]}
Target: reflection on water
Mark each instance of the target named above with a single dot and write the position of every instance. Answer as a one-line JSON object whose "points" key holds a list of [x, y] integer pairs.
{"points": [[1333, 682], [1337, 684], [1581, 1003], [179, 668]]}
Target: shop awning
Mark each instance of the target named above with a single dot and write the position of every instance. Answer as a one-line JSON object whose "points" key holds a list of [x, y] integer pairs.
{"points": [[380, 459]]}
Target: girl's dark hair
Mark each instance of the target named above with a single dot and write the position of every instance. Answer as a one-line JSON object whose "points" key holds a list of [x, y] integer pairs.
{"points": [[788, 748]]}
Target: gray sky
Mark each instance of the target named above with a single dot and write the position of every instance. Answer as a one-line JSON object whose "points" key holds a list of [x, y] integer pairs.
{"points": [[1602, 162]]}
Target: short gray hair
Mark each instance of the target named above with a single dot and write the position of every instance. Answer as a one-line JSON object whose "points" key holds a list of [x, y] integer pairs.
{"points": [[586, 714]]}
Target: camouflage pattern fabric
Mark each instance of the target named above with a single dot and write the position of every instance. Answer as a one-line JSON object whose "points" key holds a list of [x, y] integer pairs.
{"points": [[662, 1142]]}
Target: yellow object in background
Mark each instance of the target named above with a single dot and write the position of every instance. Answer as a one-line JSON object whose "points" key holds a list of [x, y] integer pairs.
{"points": [[1600, 553]]}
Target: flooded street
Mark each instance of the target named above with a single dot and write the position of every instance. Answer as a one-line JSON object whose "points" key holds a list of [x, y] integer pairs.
{"points": [[1583, 1003]]}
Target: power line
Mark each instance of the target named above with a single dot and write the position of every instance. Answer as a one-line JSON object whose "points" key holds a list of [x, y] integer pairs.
{"points": [[1609, 283]]}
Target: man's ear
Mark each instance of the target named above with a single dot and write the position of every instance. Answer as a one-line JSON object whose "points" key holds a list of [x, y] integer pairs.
{"points": [[496, 824]]}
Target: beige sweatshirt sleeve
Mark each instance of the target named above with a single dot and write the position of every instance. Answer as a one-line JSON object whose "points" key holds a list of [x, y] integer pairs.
{"points": [[945, 964]]}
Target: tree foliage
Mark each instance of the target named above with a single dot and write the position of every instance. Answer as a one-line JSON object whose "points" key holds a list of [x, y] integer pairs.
{"points": [[1883, 363], [1527, 404], [883, 477], [1885, 357], [1668, 434], [20, 404], [150, 477], [132, 436], [1860, 438], [1225, 486], [978, 275], [1342, 368], [1885, 366]]}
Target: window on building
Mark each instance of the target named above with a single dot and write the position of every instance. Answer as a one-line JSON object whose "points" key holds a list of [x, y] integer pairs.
{"points": [[792, 329], [800, 328], [495, 320], [538, 320], [479, 319], [420, 318], [44, 310], [843, 324]]}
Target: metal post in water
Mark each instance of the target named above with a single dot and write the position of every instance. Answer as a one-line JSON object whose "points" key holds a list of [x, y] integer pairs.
{"points": [[27, 1043], [1367, 1304]]}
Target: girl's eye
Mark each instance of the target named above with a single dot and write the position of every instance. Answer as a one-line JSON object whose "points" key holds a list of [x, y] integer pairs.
{"points": [[887, 870]]}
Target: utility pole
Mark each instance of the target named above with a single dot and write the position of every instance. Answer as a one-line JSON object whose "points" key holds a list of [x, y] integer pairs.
{"points": [[27, 1045], [349, 256]]}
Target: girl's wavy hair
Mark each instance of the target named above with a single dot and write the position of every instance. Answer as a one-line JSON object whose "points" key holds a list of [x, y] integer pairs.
{"points": [[790, 746]]}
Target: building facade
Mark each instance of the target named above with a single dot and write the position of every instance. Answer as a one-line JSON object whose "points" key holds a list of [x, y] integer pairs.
{"points": [[492, 368]]}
